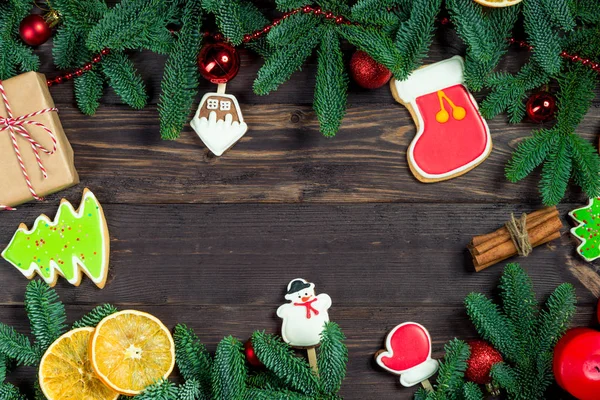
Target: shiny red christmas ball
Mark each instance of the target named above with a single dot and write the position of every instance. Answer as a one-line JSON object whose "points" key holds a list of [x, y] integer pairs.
{"points": [[541, 107], [219, 62], [251, 357], [479, 365], [34, 30], [367, 72]]}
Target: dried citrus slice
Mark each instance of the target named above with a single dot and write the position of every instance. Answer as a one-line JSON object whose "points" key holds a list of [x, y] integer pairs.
{"points": [[498, 3], [66, 371], [131, 350]]}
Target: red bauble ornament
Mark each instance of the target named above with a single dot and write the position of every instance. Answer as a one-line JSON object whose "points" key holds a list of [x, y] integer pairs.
{"points": [[34, 30], [219, 62], [479, 365], [251, 357], [367, 72], [541, 107], [576, 363]]}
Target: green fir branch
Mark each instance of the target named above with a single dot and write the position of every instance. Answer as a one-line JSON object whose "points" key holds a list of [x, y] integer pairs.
{"points": [[265, 380], [472, 392], [10, 392], [284, 61], [293, 28], [45, 312], [193, 360], [161, 390], [93, 318], [506, 377], [124, 79], [89, 88], [266, 394], [18, 347], [544, 39], [556, 172], [379, 46], [586, 165], [289, 5], [279, 358], [181, 78], [530, 154], [229, 370], [332, 358], [190, 390], [134, 24], [332, 84]]}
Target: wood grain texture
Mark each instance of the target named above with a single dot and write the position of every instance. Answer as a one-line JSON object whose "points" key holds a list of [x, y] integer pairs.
{"points": [[212, 242]]}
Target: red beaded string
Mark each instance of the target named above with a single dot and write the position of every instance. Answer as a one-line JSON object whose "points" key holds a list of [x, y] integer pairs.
{"points": [[338, 19], [79, 71]]}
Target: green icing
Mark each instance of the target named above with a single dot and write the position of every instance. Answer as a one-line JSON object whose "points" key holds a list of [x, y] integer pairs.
{"points": [[60, 241], [589, 229]]}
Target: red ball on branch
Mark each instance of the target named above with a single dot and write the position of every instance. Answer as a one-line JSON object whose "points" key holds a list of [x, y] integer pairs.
{"points": [[541, 106], [34, 30], [367, 72], [251, 357], [218, 62], [479, 365]]}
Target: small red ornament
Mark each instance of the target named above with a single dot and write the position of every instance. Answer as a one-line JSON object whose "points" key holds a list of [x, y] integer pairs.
{"points": [[34, 30], [479, 365], [219, 62], [251, 357], [367, 72], [541, 107]]}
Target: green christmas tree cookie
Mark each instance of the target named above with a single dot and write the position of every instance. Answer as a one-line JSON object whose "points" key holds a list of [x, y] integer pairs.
{"points": [[75, 241], [588, 230]]}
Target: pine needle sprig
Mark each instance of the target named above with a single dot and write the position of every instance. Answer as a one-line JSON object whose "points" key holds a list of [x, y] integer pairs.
{"points": [[93, 318], [266, 394], [279, 358], [10, 392], [192, 358], [46, 314], [527, 370], [190, 390], [124, 79], [18, 347], [161, 390], [89, 89], [229, 370], [181, 78], [544, 39], [265, 380], [332, 358]]}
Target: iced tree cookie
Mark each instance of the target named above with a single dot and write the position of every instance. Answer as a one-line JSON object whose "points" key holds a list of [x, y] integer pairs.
{"points": [[588, 230], [305, 315], [75, 241], [452, 137]]}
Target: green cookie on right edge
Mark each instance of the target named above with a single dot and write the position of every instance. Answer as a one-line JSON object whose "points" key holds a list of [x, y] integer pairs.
{"points": [[588, 230]]}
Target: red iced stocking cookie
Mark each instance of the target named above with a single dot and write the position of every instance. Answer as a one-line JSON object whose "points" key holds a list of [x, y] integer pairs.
{"points": [[452, 137]]}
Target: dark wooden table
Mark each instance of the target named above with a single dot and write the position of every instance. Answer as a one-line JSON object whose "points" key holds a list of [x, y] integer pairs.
{"points": [[212, 242]]}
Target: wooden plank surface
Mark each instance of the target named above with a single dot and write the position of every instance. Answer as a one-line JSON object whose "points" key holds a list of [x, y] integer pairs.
{"points": [[212, 242]]}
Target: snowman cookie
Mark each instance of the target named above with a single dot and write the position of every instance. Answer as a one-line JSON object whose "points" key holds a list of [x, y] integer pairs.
{"points": [[408, 354], [452, 137], [305, 316]]}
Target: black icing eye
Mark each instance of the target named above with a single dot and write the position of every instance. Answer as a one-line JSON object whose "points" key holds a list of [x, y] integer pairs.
{"points": [[299, 296], [306, 294]]}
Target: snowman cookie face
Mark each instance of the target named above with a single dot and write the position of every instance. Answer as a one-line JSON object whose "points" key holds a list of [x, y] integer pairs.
{"points": [[305, 315]]}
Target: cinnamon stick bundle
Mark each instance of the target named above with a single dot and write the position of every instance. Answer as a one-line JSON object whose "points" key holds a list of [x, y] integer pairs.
{"points": [[542, 226]]}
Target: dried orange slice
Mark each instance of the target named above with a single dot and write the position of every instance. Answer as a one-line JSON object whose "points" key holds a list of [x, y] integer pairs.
{"points": [[131, 350], [498, 3], [66, 371]]}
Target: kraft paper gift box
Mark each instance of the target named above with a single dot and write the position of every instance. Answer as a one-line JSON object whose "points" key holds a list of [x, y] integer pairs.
{"points": [[28, 94]]}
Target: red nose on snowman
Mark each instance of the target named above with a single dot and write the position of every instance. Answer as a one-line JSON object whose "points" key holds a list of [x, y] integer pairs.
{"points": [[452, 137], [408, 354]]}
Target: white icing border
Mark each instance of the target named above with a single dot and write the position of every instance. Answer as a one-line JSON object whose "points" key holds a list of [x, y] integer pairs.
{"points": [[423, 371], [78, 265], [431, 78], [195, 124], [572, 230]]}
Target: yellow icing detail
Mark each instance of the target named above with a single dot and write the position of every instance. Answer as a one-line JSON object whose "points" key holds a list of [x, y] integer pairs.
{"points": [[458, 113]]}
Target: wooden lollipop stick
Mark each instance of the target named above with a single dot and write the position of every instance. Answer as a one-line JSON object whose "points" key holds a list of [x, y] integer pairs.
{"points": [[427, 385], [312, 359], [221, 88]]}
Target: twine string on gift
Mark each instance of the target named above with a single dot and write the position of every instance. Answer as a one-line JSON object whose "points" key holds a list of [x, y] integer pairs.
{"points": [[18, 127], [518, 233]]}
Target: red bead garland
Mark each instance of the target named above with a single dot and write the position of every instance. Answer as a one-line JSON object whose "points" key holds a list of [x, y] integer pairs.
{"points": [[79, 71]]}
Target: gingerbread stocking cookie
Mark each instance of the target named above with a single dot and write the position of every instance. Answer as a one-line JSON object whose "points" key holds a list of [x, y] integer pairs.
{"points": [[452, 136]]}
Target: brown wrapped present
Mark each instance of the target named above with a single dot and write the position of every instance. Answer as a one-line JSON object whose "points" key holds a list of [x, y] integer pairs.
{"points": [[32, 142]]}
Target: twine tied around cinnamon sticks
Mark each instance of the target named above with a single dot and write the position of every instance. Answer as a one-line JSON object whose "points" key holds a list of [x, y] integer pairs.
{"points": [[534, 229], [518, 233]]}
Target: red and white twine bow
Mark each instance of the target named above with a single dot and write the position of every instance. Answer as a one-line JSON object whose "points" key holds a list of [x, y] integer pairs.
{"points": [[17, 127]]}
